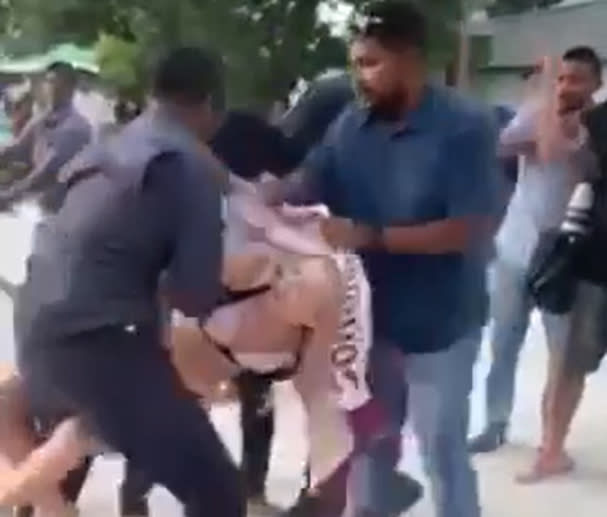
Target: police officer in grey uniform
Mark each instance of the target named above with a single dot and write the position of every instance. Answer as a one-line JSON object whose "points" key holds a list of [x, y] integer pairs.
{"points": [[141, 207]]}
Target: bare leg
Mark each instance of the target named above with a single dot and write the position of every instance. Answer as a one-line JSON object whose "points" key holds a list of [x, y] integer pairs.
{"points": [[309, 293], [17, 441], [560, 400], [46, 465], [16, 437], [330, 438]]}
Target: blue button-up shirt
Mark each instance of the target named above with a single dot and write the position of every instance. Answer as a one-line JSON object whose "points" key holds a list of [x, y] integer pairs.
{"points": [[437, 163]]}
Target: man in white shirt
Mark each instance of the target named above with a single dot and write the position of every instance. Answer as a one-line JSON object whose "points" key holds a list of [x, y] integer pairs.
{"points": [[545, 133]]}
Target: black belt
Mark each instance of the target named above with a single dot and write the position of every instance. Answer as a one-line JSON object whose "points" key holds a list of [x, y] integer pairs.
{"points": [[280, 374], [229, 297]]}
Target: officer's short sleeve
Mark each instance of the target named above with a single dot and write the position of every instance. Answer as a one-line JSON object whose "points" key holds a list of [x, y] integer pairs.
{"points": [[193, 204]]}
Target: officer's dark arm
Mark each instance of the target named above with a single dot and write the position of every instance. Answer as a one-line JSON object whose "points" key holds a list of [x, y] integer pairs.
{"points": [[300, 187], [284, 153], [309, 184], [193, 281]]}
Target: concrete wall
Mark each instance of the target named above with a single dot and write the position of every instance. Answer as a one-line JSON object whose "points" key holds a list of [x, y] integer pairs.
{"points": [[503, 88], [525, 38], [509, 88]]}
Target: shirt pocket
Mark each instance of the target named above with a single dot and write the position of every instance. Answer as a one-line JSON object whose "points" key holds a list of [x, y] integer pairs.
{"points": [[412, 187]]}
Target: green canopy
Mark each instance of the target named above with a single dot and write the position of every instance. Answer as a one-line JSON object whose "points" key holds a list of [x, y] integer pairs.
{"points": [[78, 57]]}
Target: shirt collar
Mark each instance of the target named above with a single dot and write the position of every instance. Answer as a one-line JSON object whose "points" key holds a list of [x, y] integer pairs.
{"points": [[416, 119], [58, 114], [161, 115]]}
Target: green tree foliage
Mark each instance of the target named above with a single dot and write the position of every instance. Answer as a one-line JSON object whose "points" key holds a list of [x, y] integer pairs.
{"points": [[120, 64], [267, 44], [500, 7]]}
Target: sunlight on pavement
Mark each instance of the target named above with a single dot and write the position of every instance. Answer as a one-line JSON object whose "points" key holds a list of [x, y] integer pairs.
{"points": [[16, 231]]}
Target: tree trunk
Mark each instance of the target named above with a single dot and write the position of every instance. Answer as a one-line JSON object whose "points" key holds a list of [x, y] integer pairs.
{"points": [[463, 58]]}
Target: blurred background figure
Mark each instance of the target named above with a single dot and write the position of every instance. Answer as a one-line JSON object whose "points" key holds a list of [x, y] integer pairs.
{"points": [[18, 107], [127, 109]]}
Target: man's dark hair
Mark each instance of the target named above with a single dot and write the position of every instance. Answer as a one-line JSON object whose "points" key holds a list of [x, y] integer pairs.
{"points": [[587, 56], [395, 24], [64, 70], [250, 146], [191, 75]]}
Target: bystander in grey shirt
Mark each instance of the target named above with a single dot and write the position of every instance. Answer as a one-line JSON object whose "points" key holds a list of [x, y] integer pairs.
{"points": [[45, 145], [541, 195], [150, 208]]}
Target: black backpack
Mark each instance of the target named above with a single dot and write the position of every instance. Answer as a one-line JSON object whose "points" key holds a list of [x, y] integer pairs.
{"points": [[592, 263], [557, 265]]}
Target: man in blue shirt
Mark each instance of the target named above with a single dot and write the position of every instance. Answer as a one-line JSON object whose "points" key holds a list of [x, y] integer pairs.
{"points": [[410, 181]]}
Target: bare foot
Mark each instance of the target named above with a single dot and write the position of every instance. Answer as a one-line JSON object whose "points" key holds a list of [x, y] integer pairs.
{"points": [[545, 467], [69, 510]]}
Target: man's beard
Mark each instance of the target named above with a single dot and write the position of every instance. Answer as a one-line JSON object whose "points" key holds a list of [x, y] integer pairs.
{"points": [[571, 103], [387, 107]]}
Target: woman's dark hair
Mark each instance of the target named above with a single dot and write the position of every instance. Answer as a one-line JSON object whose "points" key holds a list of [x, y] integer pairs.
{"points": [[395, 24], [191, 75]]}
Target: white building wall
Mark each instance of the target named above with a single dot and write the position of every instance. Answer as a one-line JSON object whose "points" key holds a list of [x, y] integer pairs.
{"points": [[509, 88]]}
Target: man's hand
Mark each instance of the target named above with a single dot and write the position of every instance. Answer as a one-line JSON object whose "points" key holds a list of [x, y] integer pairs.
{"points": [[271, 191], [344, 233], [571, 124]]}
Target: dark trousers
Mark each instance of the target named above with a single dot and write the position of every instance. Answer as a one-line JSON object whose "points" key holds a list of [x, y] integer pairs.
{"points": [[257, 422], [122, 382]]}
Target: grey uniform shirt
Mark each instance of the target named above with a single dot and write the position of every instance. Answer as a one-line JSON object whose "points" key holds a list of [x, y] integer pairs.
{"points": [[540, 197], [44, 146], [110, 274]]}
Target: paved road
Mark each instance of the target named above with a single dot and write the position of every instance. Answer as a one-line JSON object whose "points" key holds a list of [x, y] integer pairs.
{"points": [[582, 493]]}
